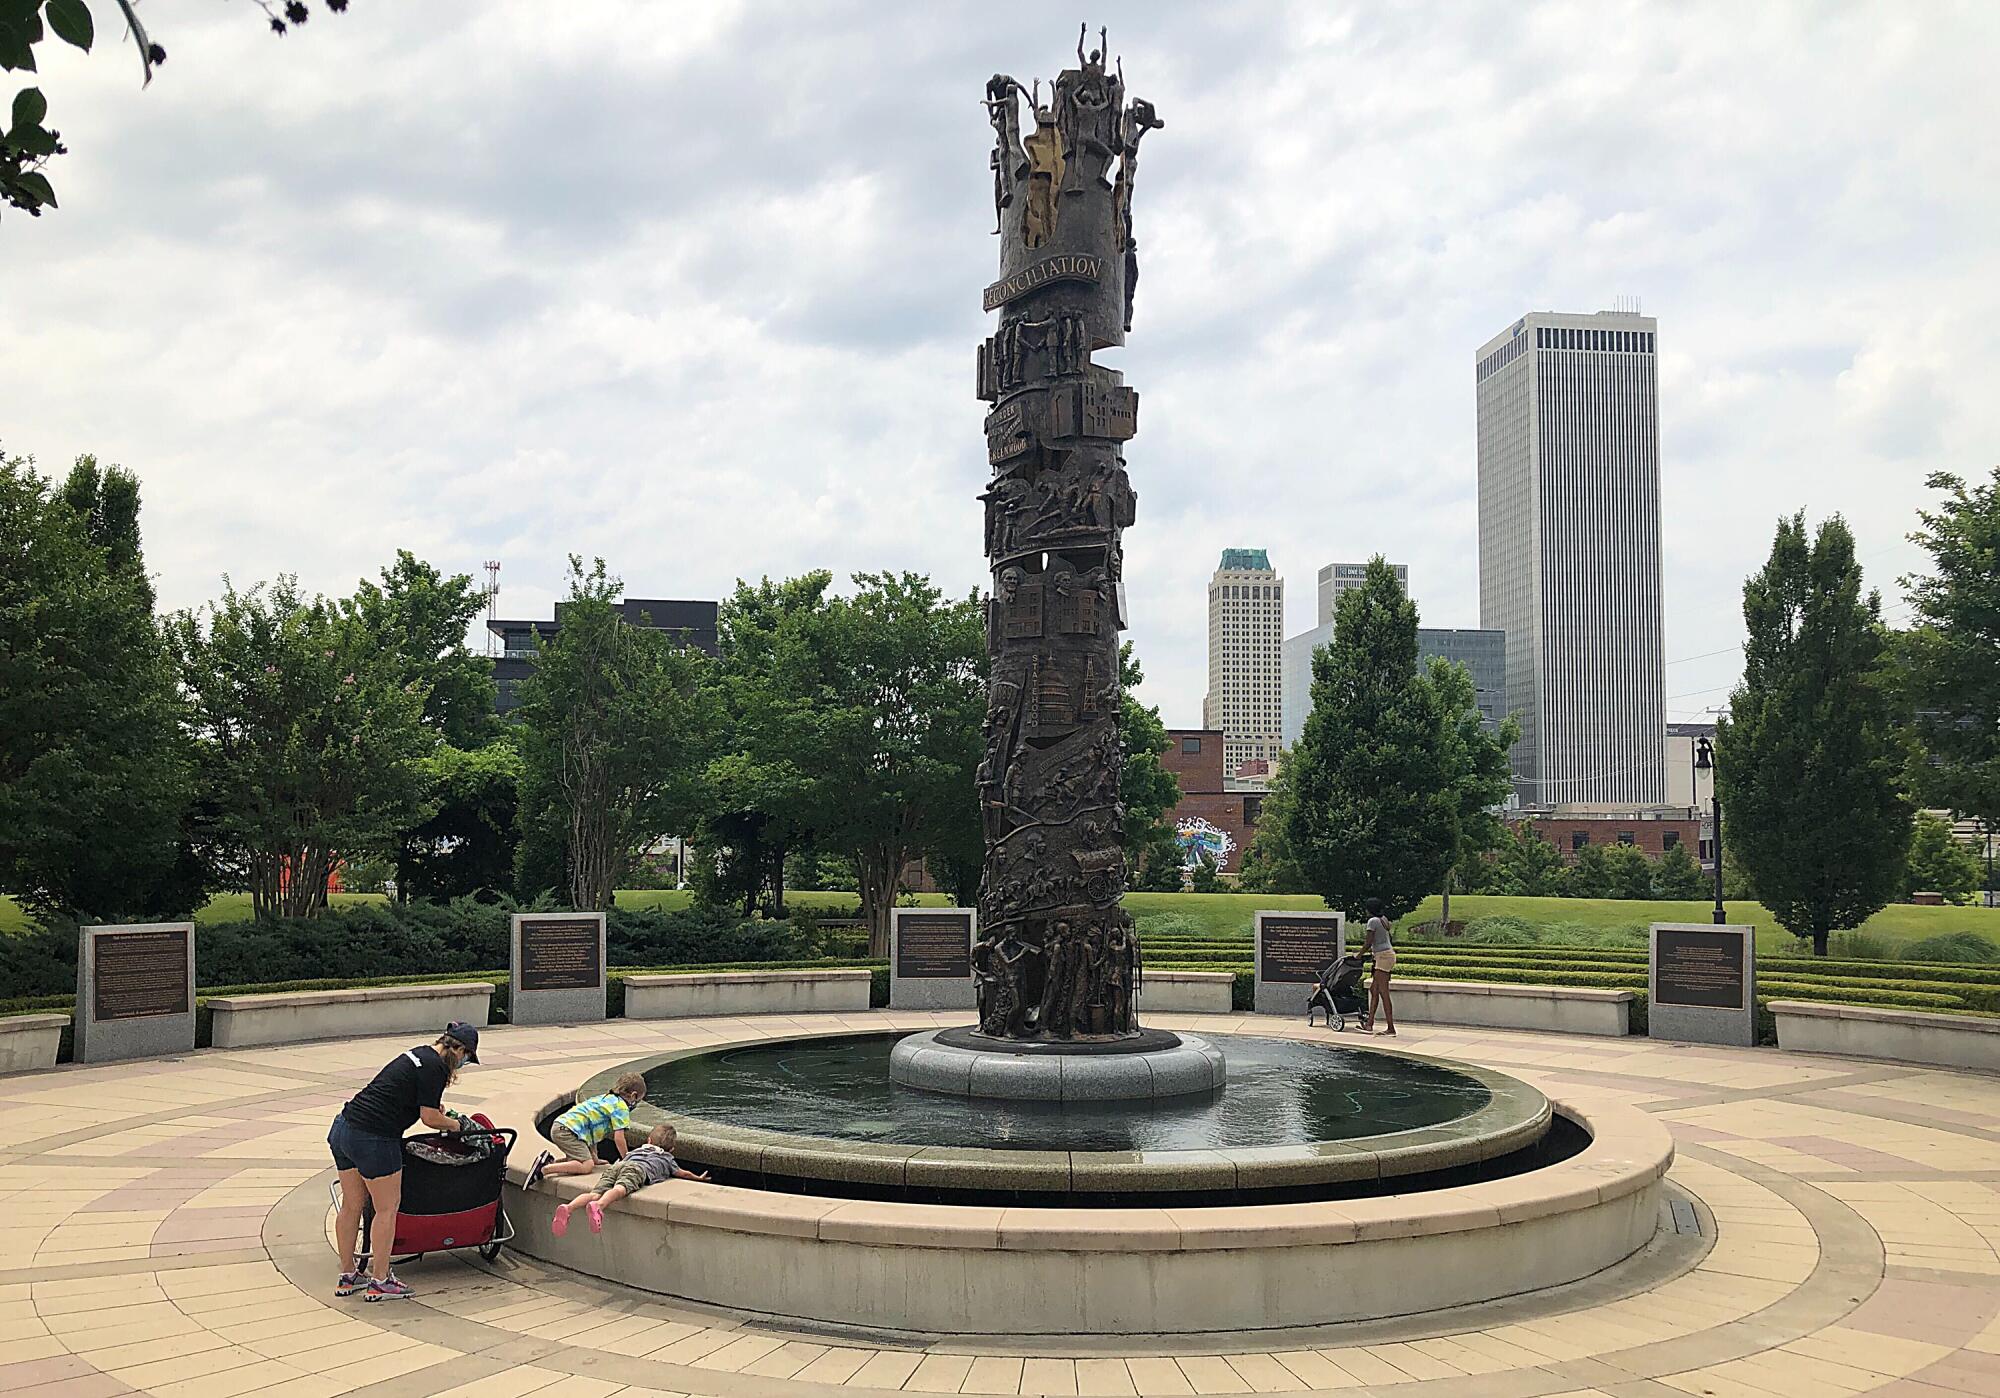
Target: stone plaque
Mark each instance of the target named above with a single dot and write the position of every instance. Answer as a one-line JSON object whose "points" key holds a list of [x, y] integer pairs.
{"points": [[930, 958], [1292, 948], [1702, 984], [934, 948], [140, 974], [560, 954], [134, 991], [1699, 968], [558, 968]]}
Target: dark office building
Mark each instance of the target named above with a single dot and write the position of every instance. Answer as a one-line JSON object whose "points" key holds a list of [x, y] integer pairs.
{"points": [[693, 622]]}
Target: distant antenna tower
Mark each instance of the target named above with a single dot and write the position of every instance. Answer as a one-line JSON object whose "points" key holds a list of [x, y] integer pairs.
{"points": [[492, 605]]}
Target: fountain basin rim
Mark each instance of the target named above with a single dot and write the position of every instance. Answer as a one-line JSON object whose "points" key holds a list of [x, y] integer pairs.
{"points": [[1516, 1116]]}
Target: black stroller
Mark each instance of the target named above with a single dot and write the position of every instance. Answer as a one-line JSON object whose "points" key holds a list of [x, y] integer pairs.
{"points": [[1339, 992]]}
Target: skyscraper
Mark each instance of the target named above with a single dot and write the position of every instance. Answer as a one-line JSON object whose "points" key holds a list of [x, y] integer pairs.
{"points": [[1336, 578], [1569, 552], [1246, 622]]}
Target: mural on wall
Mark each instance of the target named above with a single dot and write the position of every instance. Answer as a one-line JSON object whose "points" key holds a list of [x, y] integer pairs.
{"points": [[1197, 837]]}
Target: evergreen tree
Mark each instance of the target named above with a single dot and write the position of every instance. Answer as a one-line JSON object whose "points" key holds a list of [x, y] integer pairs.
{"points": [[1950, 661], [1590, 874], [1528, 866], [1393, 770], [1807, 766], [1631, 872], [1678, 876], [94, 776], [1939, 863], [1161, 871], [1202, 878], [1268, 866]]}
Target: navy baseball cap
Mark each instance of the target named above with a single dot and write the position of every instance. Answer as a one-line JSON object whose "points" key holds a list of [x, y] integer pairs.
{"points": [[458, 1029]]}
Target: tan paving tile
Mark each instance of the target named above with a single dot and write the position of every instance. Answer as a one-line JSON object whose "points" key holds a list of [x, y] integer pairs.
{"points": [[886, 1369], [1000, 1374], [1158, 1377], [784, 1361], [1265, 1374], [1104, 1378], [938, 1373], [1205, 1373]]}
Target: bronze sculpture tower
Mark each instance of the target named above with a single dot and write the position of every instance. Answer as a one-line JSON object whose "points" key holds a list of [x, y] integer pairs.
{"points": [[1058, 959]]}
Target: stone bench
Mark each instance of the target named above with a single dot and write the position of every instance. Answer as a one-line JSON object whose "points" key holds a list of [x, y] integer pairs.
{"points": [[1190, 992], [1907, 1036], [28, 1042], [746, 993], [1560, 1009], [289, 1017]]}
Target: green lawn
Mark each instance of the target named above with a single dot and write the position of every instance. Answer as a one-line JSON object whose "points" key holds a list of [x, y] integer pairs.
{"points": [[1228, 915]]}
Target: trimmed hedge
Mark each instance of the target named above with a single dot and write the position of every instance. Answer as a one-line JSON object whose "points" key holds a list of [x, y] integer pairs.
{"points": [[373, 941]]}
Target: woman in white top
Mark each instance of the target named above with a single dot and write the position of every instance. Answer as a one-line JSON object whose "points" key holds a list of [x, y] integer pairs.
{"points": [[1376, 943]]}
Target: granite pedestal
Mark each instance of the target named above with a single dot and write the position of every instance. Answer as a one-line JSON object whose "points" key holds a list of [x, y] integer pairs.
{"points": [[134, 991], [1177, 1065], [930, 958], [558, 968]]}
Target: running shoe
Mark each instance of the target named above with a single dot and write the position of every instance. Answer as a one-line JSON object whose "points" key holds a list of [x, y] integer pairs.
{"points": [[388, 1289], [559, 1225], [542, 1162], [349, 1283]]}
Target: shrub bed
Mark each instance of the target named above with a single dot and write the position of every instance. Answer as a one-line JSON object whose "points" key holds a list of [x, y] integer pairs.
{"points": [[423, 940]]}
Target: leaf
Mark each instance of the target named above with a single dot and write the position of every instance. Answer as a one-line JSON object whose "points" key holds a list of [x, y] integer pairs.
{"points": [[38, 186], [30, 107], [32, 139], [71, 21], [15, 51]]}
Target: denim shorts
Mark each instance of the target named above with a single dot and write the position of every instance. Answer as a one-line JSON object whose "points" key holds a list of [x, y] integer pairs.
{"points": [[374, 1156]]}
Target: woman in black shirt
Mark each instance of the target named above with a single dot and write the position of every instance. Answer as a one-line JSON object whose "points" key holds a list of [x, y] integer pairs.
{"points": [[367, 1144]]}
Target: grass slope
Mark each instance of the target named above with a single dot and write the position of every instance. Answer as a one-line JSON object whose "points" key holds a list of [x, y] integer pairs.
{"points": [[1227, 916]]}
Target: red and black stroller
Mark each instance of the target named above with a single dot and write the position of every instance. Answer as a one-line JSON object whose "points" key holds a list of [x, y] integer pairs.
{"points": [[451, 1194]]}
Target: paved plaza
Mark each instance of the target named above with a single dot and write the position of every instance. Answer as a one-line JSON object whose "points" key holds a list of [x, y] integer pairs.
{"points": [[164, 1230]]}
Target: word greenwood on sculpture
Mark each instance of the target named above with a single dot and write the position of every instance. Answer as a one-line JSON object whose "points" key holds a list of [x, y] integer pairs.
{"points": [[1057, 957]]}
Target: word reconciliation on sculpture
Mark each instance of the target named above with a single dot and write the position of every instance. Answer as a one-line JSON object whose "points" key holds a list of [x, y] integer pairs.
{"points": [[1058, 958]]}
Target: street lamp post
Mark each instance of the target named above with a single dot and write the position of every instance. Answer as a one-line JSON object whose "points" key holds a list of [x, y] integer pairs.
{"points": [[1704, 761]]}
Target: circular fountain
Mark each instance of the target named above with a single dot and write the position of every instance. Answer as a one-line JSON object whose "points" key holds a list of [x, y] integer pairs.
{"points": [[1056, 1167]]}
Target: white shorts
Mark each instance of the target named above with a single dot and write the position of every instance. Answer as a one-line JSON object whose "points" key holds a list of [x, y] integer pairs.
{"points": [[1385, 961]]}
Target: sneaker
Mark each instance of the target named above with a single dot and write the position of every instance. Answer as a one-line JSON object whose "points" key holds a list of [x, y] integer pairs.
{"points": [[559, 1225], [542, 1162], [388, 1289], [349, 1283], [596, 1217]]}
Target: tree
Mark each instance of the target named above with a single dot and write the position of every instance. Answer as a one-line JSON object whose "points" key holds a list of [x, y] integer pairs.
{"points": [[94, 778], [1950, 661], [419, 618], [616, 729], [1146, 789], [26, 146], [1528, 866], [1678, 876], [1590, 874], [1806, 762], [1393, 769], [468, 843], [1202, 878], [1938, 863], [756, 803], [1631, 872], [1268, 866], [308, 739], [1160, 872], [884, 711]]}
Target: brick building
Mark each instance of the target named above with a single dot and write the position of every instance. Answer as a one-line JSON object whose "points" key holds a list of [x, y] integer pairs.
{"points": [[1655, 831], [1195, 757]]}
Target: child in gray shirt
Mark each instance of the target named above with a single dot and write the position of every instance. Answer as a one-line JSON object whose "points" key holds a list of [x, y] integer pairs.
{"points": [[649, 1164]]}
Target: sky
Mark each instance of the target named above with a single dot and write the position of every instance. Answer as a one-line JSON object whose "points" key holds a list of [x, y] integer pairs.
{"points": [[695, 288]]}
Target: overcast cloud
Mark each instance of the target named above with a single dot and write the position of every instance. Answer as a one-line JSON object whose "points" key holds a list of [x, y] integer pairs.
{"points": [[695, 287]]}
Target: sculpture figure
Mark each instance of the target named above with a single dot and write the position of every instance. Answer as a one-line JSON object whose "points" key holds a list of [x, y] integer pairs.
{"points": [[1059, 957]]}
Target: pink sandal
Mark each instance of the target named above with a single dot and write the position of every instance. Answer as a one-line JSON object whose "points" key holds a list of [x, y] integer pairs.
{"points": [[596, 1217], [560, 1224]]}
